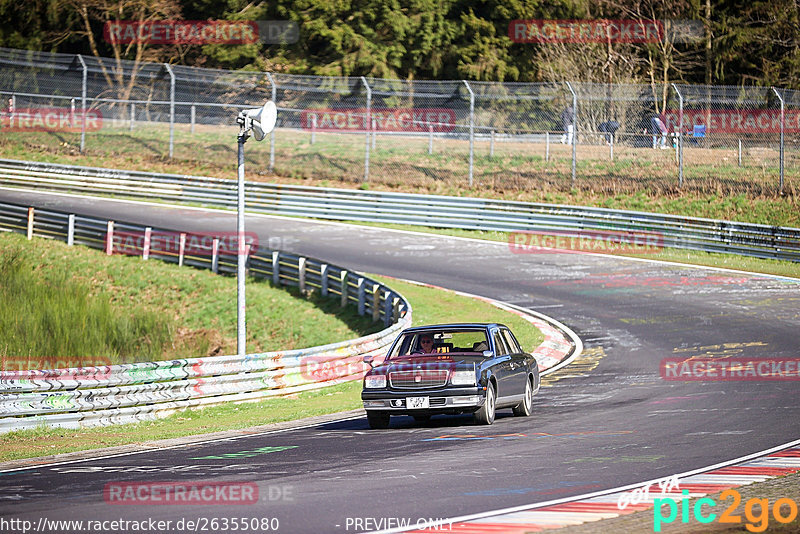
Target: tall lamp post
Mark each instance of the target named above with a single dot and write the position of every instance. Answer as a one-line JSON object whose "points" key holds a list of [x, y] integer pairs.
{"points": [[259, 121]]}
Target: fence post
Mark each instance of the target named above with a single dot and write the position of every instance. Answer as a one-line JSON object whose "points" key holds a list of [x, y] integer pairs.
{"points": [[133, 115], [611, 147], [110, 238], [71, 230], [362, 296], [376, 302], [215, 255], [387, 308], [313, 127], [276, 267], [740, 153], [171, 108], [148, 232], [192, 113], [491, 145], [680, 135], [72, 113], [301, 274], [471, 129], [367, 122], [272, 133], [430, 139], [30, 224], [181, 249], [783, 118], [83, 102], [323, 279], [547, 146], [574, 130], [343, 281]]}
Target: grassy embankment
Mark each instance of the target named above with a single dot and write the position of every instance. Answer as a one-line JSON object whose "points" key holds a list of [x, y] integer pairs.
{"points": [[67, 294]]}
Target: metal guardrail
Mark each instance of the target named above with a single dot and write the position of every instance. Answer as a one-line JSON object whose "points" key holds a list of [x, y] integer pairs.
{"points": [[113, 394], [747, 239]]}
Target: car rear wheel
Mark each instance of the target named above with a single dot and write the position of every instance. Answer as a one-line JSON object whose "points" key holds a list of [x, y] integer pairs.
{"points": [[378, 419], [485, 414], [524, 408]]}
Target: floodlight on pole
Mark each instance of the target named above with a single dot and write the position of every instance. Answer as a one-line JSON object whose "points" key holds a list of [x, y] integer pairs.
{"points": [[259, 122]]}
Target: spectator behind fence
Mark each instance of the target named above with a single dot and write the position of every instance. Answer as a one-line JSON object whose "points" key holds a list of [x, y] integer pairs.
{"points": [[610, 129], [568, 125], [659, 131]]}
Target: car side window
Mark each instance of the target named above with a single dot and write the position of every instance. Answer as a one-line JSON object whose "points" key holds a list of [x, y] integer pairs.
{"points": [[511, 341], [499, 344]]}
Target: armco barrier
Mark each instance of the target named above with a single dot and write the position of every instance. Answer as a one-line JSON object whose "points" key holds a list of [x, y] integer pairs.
{"points": [[693, 233], [104, 395]]}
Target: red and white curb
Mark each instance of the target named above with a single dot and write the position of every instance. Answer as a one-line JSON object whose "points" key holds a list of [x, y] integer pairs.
{"points": [[759, 467]]}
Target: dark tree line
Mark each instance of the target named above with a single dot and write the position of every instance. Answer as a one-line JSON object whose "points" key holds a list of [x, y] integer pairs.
{"points": [[754, 42]]}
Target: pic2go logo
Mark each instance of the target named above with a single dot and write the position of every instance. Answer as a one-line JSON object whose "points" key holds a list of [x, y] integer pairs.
{"points": [[758, 522]]}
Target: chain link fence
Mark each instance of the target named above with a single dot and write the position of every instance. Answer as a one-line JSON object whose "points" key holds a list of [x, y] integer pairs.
{"points": [[437, 135]]}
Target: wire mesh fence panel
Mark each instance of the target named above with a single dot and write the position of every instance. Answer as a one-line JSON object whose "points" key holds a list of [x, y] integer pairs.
{"points": [[433, 135], [731, 139]]}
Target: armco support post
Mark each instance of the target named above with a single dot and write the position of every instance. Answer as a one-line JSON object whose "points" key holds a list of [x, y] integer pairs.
{"points": [[343, 281], [276, 268], [171, 108], [680, 135], [215, 255], [376, 302], [71, 230], [301, 274], [110, 238], [323, 279], [148, 232], [362, 296], [30, 224]]}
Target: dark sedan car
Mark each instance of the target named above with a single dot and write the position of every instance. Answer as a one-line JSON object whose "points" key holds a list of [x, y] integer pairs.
{"points": [[451, 369]]}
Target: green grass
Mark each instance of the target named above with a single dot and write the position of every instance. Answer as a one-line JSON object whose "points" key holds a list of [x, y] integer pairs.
{"points": [[120, 309], [430, 306]]}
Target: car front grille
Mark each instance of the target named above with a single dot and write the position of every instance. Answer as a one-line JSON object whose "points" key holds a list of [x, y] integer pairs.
{"points": [[419, 378]]}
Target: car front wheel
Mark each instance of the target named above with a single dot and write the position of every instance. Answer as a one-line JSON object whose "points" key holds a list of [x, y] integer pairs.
{"points": [[378, 419], [524, 408], [485, 415]]}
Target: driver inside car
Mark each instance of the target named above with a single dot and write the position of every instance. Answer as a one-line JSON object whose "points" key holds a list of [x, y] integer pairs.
{"points": [[426, 344]]}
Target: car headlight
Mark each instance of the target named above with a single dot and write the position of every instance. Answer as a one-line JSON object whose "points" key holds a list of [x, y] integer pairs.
{"points": [[463, 378], [374, 381]]}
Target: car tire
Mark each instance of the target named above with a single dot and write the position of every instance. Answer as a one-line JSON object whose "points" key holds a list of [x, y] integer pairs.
{"points": [[524, 408], [485, 414], [378, 420], [422, 418]]}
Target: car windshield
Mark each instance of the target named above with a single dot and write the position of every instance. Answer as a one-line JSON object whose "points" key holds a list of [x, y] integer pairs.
{"points": [[441, 341]]}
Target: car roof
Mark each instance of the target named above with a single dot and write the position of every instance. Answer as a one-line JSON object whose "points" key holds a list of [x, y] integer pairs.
{"points": [[454, 326]]}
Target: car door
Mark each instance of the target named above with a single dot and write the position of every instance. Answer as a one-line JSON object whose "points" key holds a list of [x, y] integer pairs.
{"points": [[518, 363], [502, 366]]}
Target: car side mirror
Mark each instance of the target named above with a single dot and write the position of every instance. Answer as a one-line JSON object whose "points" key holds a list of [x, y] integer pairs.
{"points": [[488, 354], [369, 360]]}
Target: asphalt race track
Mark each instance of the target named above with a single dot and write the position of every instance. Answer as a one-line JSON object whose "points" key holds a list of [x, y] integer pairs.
{"points": [[607, 420]]}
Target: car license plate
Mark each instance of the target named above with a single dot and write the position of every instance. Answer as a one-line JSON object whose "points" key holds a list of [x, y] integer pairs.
{"points": [[417, 402]]}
